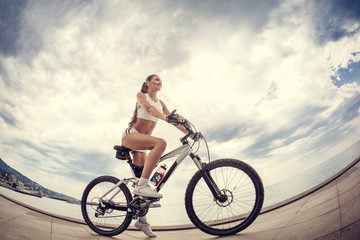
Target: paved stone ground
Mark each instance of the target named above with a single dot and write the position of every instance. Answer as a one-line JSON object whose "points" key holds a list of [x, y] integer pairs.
{"points": [[330, 211]]}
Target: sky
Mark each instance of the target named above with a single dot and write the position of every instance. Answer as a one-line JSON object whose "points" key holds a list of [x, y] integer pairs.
{"points": [[274, 83]]}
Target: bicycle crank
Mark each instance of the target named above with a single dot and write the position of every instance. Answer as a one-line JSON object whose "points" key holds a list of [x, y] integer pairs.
{"points": [[140, 205]]}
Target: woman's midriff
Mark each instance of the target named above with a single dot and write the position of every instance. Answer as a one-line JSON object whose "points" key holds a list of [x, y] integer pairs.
{"points": [[144, 126]]}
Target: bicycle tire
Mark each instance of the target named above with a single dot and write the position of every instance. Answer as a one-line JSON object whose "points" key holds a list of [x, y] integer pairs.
{"points": [[111, 222], [243, 204]]}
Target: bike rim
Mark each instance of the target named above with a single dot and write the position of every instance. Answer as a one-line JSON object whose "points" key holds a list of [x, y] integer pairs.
{"points": [[238, 199], [103, 217]]}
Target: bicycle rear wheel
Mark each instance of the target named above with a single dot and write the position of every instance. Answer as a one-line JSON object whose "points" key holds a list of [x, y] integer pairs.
{"points": [[106, 214], [242, 197]]}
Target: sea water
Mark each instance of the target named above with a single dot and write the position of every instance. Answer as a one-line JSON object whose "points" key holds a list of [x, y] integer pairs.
{"points": [[304, 181], [47, 204], [175, 213]]}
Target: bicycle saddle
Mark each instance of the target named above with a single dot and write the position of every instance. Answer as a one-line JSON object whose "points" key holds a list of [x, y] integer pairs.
{"points": [[122, 153]]}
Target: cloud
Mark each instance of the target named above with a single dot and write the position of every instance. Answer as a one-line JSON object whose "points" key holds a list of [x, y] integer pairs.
{"points": [[10, 24], [346, 112], [335, 19], [250, 14], [8, 118]]}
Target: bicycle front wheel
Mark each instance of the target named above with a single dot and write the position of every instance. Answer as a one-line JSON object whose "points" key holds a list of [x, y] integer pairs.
{"points": [[242, 197], [105, 211]]}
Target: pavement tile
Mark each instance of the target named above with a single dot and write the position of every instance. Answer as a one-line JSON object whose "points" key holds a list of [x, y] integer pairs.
{"points": [[273, 222], [62, 229], [349, 195], [13, 211], [270, 234], [320, 209], [27, 226], [321, 196], [285, 211], [349, 179], [312, 229], [280, 217], [16, 235], [130, 235], [332, 236], [351, 232], [195, 234], [350, 212], [32, 221]]}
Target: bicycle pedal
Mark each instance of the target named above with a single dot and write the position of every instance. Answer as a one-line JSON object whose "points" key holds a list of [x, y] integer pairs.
{"points": [[154, 205], [146, 198], [152, 199]]}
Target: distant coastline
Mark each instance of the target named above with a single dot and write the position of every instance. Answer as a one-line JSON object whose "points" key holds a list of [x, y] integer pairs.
{"points": [[14, 180], [31, 193], [38, 194]]}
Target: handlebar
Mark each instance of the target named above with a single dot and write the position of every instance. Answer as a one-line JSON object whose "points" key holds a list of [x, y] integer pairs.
{"points": [[173, 119], [191, 131]]}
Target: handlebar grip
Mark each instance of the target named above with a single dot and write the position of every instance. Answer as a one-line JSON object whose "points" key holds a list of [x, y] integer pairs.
{"points": [[172, 113], [172, 119]]}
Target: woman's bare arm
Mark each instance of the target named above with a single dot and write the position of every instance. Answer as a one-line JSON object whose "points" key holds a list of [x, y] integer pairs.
{"points": [[181, 118], [148, 107]]}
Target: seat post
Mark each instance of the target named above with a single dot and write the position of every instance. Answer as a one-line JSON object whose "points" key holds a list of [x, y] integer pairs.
{"points": [[123, 153], [136, 170]]}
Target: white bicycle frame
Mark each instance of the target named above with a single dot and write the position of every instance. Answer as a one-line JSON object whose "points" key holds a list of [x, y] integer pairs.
{"points": [[183, 151]]}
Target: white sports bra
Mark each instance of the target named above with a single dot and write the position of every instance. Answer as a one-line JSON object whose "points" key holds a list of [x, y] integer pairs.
{"points": [[142, 113]]}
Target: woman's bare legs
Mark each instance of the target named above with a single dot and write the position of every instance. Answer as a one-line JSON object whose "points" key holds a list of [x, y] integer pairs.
{"points": [[140, 159], [145, 142]]}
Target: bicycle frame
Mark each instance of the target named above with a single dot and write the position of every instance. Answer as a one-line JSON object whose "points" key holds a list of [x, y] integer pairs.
{"points": [[182, 152]]}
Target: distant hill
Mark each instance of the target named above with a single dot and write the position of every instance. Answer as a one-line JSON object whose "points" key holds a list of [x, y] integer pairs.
{"points": [[4, 168]]}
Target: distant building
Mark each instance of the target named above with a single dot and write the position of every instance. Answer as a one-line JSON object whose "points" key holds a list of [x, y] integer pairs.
{"points": [[20, 185], [12, 179]]}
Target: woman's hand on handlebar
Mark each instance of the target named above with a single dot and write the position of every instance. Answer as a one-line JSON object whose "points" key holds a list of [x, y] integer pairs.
{"points": [[180, 122], [180, 118], [175, 119]]}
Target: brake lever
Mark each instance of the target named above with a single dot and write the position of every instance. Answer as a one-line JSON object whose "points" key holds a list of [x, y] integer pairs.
{"points": [[172, 113], [171, 118], [197, 136], [186, 124]]}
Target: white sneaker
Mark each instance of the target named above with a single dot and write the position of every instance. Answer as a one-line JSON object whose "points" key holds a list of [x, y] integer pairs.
{"points": [[145, 227], [146, 191]]}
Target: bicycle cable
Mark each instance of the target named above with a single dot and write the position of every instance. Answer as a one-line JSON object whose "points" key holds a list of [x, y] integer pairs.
{"points": [[207, 146], [194, 141], [208, 150]]}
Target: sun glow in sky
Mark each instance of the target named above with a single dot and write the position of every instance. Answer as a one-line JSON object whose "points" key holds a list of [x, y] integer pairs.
{"points": [[274, 83]]}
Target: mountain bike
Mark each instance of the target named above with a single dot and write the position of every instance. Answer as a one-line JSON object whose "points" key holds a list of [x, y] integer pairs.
{"points": [[222, 198]]}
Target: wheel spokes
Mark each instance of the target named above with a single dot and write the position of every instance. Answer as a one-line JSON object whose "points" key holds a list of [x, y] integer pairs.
{"points": [[238, 193]]}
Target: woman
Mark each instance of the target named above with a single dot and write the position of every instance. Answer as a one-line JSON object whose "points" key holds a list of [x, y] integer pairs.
{"points": [[138, 138]]}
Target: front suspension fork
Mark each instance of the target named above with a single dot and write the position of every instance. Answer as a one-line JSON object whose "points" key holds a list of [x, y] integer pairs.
{"points": [[207, 177], [211, 184]]}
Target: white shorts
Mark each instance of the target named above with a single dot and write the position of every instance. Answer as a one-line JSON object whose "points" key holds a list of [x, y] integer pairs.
{"points": [[127, 132]]}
